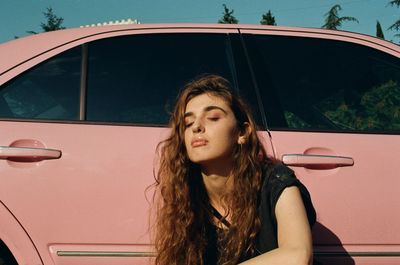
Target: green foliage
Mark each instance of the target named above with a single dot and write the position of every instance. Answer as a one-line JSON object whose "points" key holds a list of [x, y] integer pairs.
{"points": [[268, 19], [333, 20], [53, 22], [395, 3], [396, 25], [378, 109], [228, 17], [379, 32], [294, 121]]}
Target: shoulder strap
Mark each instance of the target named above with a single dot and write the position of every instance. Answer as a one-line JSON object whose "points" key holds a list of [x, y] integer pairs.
{"points": [[219, 216]]}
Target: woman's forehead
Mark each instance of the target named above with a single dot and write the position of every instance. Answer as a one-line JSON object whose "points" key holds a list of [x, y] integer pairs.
{"points": [[204, 100]]}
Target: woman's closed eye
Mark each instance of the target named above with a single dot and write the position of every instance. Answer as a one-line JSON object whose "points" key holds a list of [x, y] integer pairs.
{"points": [[188, 124], [213, 118], [188, 121], [213, 115]]}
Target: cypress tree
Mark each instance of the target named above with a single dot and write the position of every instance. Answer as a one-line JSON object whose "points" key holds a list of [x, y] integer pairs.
{"points": [[379, 32], [333, 20], [268, 19], [228, 17]]}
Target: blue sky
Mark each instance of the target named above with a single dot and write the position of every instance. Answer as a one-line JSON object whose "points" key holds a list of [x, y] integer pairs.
{"points": [[19, 16]]}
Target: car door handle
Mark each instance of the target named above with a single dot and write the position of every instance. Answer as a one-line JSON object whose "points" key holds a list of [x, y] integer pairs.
{"points": [[28, 154], [317, 161]]}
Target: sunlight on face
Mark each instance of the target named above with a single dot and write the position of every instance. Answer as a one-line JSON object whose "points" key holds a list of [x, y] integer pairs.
{"points": [[211, 130]]}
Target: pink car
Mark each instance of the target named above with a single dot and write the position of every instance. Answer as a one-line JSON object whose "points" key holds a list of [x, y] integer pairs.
{"points": [[82, 111]]}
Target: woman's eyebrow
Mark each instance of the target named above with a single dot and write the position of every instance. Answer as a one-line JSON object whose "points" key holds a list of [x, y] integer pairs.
{"points": [[212, 107], [187, 114], [206, 109]]}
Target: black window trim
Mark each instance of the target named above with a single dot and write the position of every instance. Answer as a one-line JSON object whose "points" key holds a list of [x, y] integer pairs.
{"points": [[260, 106]]}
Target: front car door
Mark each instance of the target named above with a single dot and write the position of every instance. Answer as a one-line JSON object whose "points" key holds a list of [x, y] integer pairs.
{"points": [[95, 113]]}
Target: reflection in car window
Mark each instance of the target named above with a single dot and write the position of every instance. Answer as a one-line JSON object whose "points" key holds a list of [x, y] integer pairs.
{"points": [[47, 91], [330, 85], [136, 78]]}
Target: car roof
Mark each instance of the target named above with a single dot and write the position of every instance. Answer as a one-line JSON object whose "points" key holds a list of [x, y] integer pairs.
{"points": [[20, 50]]}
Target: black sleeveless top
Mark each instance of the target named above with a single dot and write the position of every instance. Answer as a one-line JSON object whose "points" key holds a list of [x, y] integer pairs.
{"points": [[276, 178]]}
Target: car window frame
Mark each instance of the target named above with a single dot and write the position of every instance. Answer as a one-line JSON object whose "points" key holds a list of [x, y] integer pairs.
{"points": [[44, 56], [354, 38]]}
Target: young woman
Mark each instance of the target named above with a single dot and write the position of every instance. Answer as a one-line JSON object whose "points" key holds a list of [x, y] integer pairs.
{"points": [[220, 199]]}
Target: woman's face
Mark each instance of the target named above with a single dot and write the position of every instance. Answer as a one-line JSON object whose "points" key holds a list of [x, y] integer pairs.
{"points": [[211, 130]]}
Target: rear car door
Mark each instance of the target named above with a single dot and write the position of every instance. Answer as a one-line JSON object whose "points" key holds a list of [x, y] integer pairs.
{"points": [[332, 105]]}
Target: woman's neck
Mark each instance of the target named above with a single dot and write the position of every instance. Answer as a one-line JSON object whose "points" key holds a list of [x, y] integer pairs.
{"points": [[218, 182]]}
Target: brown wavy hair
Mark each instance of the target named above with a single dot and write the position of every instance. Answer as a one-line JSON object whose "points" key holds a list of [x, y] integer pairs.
{"points": [[181, 199]]}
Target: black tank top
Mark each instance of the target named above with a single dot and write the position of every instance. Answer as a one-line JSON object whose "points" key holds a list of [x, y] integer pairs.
{"points": [[276, 178]]}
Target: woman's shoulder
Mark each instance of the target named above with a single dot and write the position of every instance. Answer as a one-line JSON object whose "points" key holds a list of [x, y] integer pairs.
{"points": [[279, 174], [278, 177]]}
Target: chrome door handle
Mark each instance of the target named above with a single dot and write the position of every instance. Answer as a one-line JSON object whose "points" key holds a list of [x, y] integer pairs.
{"points": [[28, 153], [316, 161]]}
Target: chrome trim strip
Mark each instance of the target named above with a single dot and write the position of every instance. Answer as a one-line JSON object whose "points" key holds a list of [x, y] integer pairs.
{"points": [[357, 254], [153, 254], [105, 254]]}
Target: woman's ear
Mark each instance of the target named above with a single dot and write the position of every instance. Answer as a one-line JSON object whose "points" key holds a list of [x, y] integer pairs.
{"points": [[244, 133]]}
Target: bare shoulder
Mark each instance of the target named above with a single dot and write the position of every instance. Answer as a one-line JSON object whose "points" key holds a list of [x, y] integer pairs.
{"points": [[291, 216]]}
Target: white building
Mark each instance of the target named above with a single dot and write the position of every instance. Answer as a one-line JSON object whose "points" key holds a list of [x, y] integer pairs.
{"points": [[116, 22]]}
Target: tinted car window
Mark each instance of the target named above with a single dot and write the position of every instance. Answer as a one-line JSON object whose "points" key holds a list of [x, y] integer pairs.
{"points": [[50, 90], [136, 78], [330, 85]]}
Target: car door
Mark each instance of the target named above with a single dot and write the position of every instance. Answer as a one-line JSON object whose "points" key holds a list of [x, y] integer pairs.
{"points": [[79, 133], [332, 104]]}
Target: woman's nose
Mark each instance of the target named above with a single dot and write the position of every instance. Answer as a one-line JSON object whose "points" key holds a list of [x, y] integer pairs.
{"points": [[197, 127]]}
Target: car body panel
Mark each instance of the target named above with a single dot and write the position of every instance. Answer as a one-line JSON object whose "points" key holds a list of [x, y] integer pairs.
{"points": [[92, 204], [16, 239], [351, 191], [95, 194]]}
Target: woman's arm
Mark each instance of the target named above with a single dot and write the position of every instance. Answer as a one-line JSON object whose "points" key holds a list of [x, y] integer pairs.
{"points": [[294, 235]]}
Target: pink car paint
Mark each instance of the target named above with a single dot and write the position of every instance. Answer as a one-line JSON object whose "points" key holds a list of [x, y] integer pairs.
{"points": [[358, 230], [93, 197], [76, 193]]}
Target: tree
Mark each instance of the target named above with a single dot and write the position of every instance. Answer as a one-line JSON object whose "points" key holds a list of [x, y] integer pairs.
{"points": [[332, 19], [377, 109], [228, 17], [268, 19], [396, 25], [395, 3], [53, 22], [379, 32]]}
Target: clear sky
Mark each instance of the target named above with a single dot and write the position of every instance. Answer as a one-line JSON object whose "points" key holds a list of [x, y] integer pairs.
{"points": [[19, 16]]}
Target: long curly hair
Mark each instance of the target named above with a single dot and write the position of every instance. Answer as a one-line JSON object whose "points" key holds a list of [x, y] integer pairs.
{"points": [[181, 199]]}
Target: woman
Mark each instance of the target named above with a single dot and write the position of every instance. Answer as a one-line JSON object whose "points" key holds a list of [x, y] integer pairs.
{"points": [[221, 200]]}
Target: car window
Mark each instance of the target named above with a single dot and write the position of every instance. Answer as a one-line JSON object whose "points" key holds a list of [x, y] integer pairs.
{"points": [[319, 84], [135, 79], [50, 90]]}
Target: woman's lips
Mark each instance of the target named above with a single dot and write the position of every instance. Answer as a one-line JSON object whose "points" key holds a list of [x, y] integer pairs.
{"points": [[199, 142]]}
